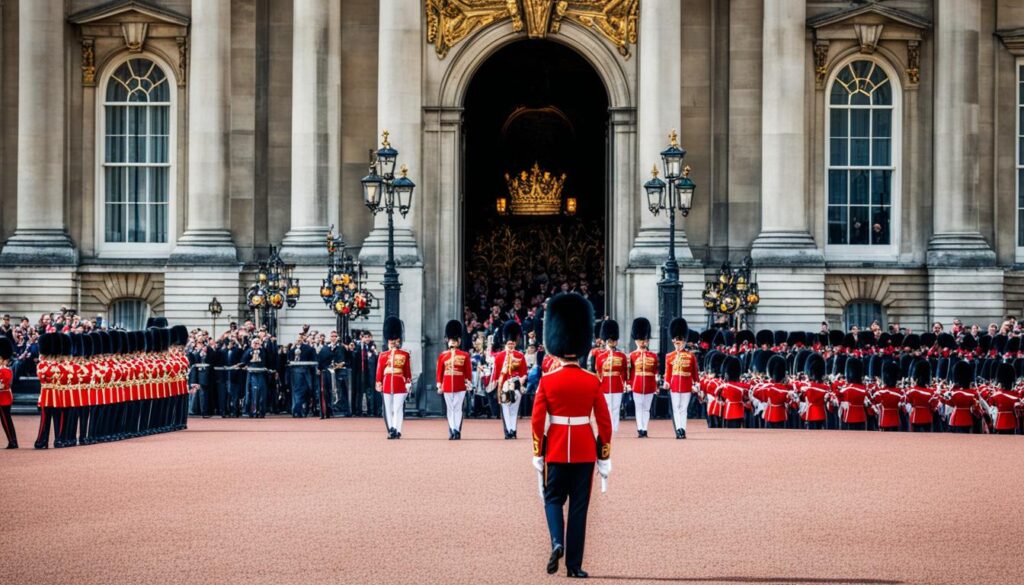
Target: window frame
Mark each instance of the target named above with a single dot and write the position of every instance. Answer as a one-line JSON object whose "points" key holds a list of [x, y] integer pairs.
{"points": [[106, 249], [872, 252], [146, 313], [882, 317], [1018, 156]]}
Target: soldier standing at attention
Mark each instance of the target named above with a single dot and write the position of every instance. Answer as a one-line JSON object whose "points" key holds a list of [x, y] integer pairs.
{"points": [[643, 374], [393, 376], [681, 375], [611, 370], [6, 395], [454, 375], [564, 446], [510, 377]]}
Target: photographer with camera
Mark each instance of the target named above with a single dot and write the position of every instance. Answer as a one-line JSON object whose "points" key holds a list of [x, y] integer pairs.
{"points": [[509, 379]]}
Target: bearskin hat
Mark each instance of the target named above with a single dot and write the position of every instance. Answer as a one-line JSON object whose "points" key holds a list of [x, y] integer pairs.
{"points": [[1006, 376], [731, 370], [723, 337], [692, 336], [896, 339], [824, 339], [968, 342], [179, 335], [815, 367], [745, 336], [884, 340], [765, 337], [678, 329], [6, 347], [569, 323], [999, 343], [777, 368], [836, 337], [641, 329], [392, 328], [800, 363], [907, 365], [866, 338], [928, 339], [779, 337], [610, 330], [890, 374], [149, 340], [963, 374], [874, 364], [1012, 345], [850, 341], [759, 362], [708, 336], [511, 331], [913, 341], [796, 337], [984, 342], [453, 330], [947, 341], [854, 371], [715, 360], [156, 322], [922, 373]]}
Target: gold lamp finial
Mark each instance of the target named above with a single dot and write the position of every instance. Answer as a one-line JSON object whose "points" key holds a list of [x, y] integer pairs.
{"points": [[384, 138], [654, 171], [673, 138], [405, 170], [686, 171]]}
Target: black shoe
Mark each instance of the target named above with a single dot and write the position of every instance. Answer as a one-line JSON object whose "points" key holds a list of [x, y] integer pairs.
{"points": [[682, 432], [556, 554], [640, 434], [391, 433], [458, 435], [398, 435], [508, 435], [679, 433], [40, 445], [12, 445], [515, 434], [576, 574]]}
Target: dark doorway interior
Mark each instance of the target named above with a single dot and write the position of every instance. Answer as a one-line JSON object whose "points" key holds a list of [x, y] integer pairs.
{"points": [[534, 103]]}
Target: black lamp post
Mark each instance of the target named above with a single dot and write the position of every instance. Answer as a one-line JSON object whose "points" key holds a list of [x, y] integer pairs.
{"points": [[384, 192], [344, 289], [275, 287], [680, 190], [215, 310]]}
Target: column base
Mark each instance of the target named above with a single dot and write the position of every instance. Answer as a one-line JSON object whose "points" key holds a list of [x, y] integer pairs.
{"points": [[650, 248], [375, 247], [785, 248], [306, 245], [960, 249], [206, 247], [39, 247]]}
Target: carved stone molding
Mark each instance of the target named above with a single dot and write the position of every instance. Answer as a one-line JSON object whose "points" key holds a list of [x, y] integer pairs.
{"points": [[88, 62], [449, 22], [182, 60], [134, 35], [1013, 40], [868, 36], [820, 63], [914, 62]]}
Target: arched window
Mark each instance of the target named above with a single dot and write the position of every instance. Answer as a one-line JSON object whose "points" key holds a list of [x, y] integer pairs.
{"points": [[130, 314], [861, 154], [862, 314], [136, 153]]}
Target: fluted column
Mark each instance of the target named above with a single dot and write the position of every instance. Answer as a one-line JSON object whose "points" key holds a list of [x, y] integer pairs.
{"points": [[659, 112], [400, 112], [785, 235], [207, 238], [957, 240], [41, 234], [311, 132]]}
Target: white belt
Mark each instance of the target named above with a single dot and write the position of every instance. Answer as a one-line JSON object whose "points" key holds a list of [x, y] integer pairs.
{"points": [[572, 421]]}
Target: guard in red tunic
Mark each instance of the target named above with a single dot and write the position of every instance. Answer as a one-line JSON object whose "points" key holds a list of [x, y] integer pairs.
{"points": [[815, 392], [643, 374], [921, 398], [1002, 401], [887, 398], [732, 394], [509, 377], [962, 399], [681, 375], [394, 372], [454, 375], [852, 396], [776, 394], [611, 370], [6, 394], [568, 403]]}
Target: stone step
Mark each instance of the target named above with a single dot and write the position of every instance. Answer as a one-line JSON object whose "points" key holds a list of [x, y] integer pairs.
{"points": [[26, 396]]}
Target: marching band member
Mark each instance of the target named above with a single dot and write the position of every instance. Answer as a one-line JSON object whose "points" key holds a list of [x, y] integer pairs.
{"points": [[852, 396], [643, 373], [394, 374], [454, 376], [611, 370], [564, 447], [6, 395], [961, 399], [1002, 401], [732, 394], [256, 362], [776, 394], [681, 375], [509, 378], [887, 398], [331, 358], [921, 399], [815, 392]]}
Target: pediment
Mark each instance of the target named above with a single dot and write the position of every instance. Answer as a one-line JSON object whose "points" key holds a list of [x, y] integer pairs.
{"points": [[892, 23], [121, 11]]}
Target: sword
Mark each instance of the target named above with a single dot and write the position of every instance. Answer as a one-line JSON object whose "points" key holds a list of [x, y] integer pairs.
{"points": [[604, 484]]}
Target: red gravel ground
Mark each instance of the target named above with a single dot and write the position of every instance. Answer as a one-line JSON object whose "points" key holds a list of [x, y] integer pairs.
{"points": [[307, 501]]}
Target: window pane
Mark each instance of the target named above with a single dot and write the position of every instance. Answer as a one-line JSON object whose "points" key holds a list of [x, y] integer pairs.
{"points": [[136, 223], [158, 184], [837, 225], [1020, 187], [837, 187], [158, 149], [880, 188], [859, 226], [860, 99], [839, 94], [113, 180], [114, 231], [858, 187], [859, 151], [837, 122], [137, 134], [1020, 228], [159, 120], [136, 184], [881, 123], [114, 144], [161, 91], [880, 152], [862, 68], [158, 223], [882, 95], [860, 121], [880, 226], [837, 152]]}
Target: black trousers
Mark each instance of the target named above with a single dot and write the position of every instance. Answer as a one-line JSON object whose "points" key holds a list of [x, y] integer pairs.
{"points": [[8, 423], [572, 482]]}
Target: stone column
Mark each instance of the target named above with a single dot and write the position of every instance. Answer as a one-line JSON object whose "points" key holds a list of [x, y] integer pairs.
{"points": [[785, 236], [957, 240], [311, 134], [207, 239], [659, 112], [40, 237], [400, 112]]}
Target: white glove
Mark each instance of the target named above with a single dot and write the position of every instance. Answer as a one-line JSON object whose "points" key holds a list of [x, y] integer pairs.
{"points": [[439, 388], [538, 464], [604, 467]]}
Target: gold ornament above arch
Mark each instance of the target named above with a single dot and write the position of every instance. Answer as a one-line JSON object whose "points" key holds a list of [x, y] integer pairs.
{"points": [[451, 21]]}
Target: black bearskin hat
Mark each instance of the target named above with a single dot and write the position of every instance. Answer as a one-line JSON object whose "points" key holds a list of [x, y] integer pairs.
{"points": [[66, 344], [928, 339], [777, 368], [731, 369], [692, 336], [836, 337], [6, 347], [453, 330], [854, 371], [714, 361], [999, 343], [678, 329], [1012, 345], [745, 336], [759, 362], [568, 326], [156, 322], [922, 373], [47, 344], [884, 340], [947, 341], [913, 341], [984, 342], [866, 338], [963, 374], [797, 337], [1006, 376], [780, 337], [850, 341], [179, 335], [765, 337], [896, 339], [800, 363], [890, 374], [815, 367], [968, 343], [511, 331], [610, 330], [392, 328], [724, 338], [641, 329]]}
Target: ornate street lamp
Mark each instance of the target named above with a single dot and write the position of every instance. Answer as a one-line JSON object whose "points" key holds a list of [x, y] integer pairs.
{"points": [[274, 289], [215, 310], [344, 290], [384, 192], [673, 193]]}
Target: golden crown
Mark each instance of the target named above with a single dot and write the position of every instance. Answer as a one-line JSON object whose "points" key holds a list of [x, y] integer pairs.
{"points": [[535, 192]]}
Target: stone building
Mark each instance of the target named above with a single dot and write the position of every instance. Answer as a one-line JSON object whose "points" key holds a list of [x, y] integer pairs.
{"points": [[869, 156]]}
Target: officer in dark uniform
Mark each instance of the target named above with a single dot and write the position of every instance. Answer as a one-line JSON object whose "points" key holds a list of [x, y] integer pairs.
{"points": [[235, 377], [301, 368], [331, 362], [256, 362], [564, 445], [217, 357]]}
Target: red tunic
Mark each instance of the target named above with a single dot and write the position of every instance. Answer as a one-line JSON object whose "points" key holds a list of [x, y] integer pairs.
{"points": [[921, 402], [681, 371], [887, 402], [731, 396], [6, 394], [548, 364], [507, 366], [852, 409], [642, 371], [1006, 418], [776, 396], [394, 371], [962, 402], [815, 394], [611, 371], [454, 371], [565, 397]]}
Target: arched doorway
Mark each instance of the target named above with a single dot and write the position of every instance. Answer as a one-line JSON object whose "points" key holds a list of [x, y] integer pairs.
{"points": [[536, 184]]}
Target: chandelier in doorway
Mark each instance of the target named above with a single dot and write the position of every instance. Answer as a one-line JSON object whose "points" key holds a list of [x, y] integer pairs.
{"points": [[535, 192]]}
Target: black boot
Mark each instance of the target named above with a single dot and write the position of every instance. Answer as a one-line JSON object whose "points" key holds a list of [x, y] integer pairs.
{"points": [[556, 554], [577, 574]]}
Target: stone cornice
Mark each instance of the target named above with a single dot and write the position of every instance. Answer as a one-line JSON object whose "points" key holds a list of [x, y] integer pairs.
{"points": [[1013, 40]]}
